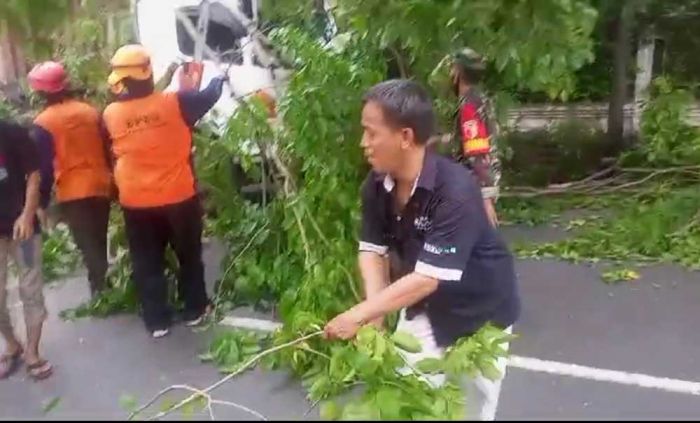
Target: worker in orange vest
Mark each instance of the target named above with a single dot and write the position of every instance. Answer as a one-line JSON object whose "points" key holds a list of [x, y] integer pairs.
{"points": [[151, 142], [72, 151]]}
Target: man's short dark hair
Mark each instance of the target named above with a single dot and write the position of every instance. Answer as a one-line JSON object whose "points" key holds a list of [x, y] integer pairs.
{"points": [[405, 104]]}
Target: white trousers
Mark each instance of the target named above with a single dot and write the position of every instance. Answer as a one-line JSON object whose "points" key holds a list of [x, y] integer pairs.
{"points": [[482, 394]]}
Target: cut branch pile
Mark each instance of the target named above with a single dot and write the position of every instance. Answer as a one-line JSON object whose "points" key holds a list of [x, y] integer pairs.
{"points": [[610, 180]]}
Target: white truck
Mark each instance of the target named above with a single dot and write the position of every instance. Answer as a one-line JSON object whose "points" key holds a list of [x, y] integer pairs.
{"points": [[223, 34]]}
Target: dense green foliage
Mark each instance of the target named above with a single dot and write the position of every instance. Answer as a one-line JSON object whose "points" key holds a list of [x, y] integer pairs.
{"points": [[294, 247], [565, 151], [299, 250], [653, 217], [60, 256], [668, 138], [558, 34], [304, 239]]}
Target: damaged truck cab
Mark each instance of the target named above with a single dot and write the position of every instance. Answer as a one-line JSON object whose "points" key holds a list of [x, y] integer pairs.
{"points": [[221, 35]]}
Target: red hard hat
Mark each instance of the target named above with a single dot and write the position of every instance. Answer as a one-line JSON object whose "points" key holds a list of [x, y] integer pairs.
{"points": [[48, 77]]}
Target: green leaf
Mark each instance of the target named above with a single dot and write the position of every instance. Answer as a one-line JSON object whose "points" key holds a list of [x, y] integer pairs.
{"points": [[489, 370], [619, 275], [251, 350], [430, 365], [406, 342], [206, 357], [330, 411], [166, 405], [128, 402], [363, 411], [388, 402], [320, 388], [50, 404]]}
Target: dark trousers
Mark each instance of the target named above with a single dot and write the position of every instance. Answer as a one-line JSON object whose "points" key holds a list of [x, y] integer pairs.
{"points": [[88, 220], [149, 232]]}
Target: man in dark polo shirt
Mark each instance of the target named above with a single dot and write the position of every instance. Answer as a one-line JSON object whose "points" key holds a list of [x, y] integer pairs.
{"points": [[451, 271], [20, 239]]}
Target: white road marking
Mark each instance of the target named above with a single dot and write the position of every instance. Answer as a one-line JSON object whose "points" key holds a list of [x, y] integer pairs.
{"points": [[535, 365], [604, 375], [248, 323]]}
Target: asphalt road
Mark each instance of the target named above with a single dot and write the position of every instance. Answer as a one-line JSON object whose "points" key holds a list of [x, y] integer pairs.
{"points": [[569, 317]]}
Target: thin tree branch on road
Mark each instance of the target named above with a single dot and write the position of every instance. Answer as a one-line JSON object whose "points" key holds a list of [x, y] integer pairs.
{"points": [[204, 393]]}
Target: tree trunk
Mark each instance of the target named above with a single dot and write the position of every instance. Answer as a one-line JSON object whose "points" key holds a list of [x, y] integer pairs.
{"points": [[644, 75], [616, 113], [7, 65]]}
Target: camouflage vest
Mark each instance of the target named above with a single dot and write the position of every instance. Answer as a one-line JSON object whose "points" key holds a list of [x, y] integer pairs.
{"points": [[485, 113]]}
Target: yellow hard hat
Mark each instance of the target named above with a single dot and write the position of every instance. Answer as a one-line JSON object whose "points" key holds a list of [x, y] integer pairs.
{"points": [[130, 61]]}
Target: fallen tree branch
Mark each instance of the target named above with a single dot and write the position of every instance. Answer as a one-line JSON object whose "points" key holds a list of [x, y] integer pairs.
{"points": [[240, 407], [205, 392], [158, 396], [594, 186], [665, 170], [235, 259]]}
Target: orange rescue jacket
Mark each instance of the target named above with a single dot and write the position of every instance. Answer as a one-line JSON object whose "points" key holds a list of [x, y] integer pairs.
{"points": [[152, 146], [80, 165]]}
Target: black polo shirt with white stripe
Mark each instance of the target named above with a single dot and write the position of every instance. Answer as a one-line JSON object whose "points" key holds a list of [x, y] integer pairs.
{"points": [[443, 232]]}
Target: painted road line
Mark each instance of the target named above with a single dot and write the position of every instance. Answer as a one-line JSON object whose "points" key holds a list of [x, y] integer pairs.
{"points": [[535, 365], [253, 324], [604, 375]]}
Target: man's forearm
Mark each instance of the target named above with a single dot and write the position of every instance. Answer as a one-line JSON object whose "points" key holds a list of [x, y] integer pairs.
{"points": [[31, 202], [487, 173], [405, 292], [375, 273]]}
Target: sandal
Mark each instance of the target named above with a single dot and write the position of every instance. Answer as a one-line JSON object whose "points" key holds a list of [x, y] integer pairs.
{"points": [[40, 370], [9, 364]]}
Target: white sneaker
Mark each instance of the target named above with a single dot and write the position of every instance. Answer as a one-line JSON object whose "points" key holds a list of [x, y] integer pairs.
{"points": [[196, 322], [160, 333], [199, 320]]}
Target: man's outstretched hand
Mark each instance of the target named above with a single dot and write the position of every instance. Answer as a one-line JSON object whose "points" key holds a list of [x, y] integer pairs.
{"points": [[344, 326]]}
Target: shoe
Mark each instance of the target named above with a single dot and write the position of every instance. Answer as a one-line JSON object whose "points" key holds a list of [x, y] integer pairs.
{"points": [[198, 320], [160, 333]]}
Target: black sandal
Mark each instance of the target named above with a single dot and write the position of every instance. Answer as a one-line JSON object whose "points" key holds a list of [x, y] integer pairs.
{"points": [[9, 364], [40, 370]]}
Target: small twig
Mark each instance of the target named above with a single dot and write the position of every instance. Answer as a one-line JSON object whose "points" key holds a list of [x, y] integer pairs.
{"points": [[403, 70], [302, 232], [351, 283], [225, 379], [290, 191], [240, 407], [313, 406], [235, 259], [597, 175], [210, 409], [346, 387], [630, 184], [318, 353], [156, 398], [417, 372], [692, 222], [665, 170], [314, 223]]}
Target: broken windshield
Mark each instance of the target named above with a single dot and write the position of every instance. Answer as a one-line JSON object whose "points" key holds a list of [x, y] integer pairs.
{"points": [[224, 33]]}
